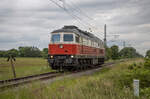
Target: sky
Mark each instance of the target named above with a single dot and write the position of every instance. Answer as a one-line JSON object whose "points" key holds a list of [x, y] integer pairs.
{"points": [[29, 22]]}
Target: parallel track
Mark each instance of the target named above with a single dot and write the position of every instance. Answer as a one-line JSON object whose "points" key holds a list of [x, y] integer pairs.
{"points": [[23, 80]]}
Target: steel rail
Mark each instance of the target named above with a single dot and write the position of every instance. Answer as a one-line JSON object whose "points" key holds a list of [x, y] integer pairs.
{"points": [[22, 80]]}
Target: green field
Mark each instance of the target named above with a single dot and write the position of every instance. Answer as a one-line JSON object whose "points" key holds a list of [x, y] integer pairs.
{"points": [[101, 85], [23, 67]]}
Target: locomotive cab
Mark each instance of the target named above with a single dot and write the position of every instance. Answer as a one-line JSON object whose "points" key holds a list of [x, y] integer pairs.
{"points": [[62, 44], [62, 48]]}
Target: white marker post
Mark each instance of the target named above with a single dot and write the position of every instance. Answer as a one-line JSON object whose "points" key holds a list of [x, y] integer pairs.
{"points": [[136, 87]]}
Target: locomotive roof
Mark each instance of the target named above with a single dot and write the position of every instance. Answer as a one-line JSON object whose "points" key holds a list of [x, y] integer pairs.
{"points": [[78, 31]]}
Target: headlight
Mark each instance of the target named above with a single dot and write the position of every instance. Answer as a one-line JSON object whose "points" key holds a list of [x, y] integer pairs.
{"points": [[72, 56], [60, 46], [51, 56]]}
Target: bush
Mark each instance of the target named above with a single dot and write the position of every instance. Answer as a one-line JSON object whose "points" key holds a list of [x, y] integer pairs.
{"points": [[144, 76], [125, 80], [135, 71], [147, 64], [131, 67], [134, 66], [146, 92]]}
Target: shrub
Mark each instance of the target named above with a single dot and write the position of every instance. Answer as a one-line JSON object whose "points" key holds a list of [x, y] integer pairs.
{"points": [[146, 92], [136, 71], [144, 76], [147, 64], [125, 80], [134, 66], [130, 67]]}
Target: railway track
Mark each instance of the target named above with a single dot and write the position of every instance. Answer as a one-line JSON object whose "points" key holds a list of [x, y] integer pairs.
{"points": [[23, 80]]}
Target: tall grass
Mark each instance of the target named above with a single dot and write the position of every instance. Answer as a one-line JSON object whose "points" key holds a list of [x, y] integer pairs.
{"points": [[23, 67], [101, 85]]}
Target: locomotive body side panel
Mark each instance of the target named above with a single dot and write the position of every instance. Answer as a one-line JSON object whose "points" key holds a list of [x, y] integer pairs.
{"points": [[67, 49], [74, 49]]}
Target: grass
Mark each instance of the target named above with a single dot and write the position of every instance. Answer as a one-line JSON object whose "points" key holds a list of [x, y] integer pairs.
{"points": [[23, 67], [100, 85]]}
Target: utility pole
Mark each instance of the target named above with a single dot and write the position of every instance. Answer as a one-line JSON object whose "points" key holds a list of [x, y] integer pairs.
{"points": [[11, 58], [105, 40], [124, 44]]}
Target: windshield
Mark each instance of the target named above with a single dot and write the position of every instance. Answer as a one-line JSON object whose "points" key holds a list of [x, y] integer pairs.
{"points": [[68, 37], [55, 38]]}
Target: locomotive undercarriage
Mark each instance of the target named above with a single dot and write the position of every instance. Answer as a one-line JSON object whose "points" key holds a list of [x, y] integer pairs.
{"points": [[62, 62]]}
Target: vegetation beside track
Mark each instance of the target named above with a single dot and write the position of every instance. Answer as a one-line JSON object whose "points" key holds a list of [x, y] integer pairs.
{"points": [[23, 67], [108, 83]]}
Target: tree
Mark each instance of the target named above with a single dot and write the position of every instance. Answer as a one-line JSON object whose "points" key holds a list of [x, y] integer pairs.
{"points": [[129, 52], [115, 52], [108, 53], [1, 54], [45, 53], [29, 52], [13, 52], [35, 52], [148, 54], [4, 53]]}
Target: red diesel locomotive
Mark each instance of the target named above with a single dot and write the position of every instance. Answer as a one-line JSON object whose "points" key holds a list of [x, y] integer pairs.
{"points": [[72, 48]]}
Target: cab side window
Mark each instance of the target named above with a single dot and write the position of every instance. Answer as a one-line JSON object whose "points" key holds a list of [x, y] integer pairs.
{"points": [[84, 41], [77, 39], [68, 37]]}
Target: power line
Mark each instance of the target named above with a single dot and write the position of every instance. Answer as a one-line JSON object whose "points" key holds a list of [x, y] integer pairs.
{"points": [[80, 11], [64, 4], [81, 20], [72, 15], [93, 27], [65, 8], [84, 14]]}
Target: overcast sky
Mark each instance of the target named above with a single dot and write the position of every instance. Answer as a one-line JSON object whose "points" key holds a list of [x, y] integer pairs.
{"points": [[29, 22]]}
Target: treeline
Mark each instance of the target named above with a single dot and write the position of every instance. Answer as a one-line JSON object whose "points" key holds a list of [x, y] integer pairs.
{"points": [[28, 51], [111, 53], [127, 52]]}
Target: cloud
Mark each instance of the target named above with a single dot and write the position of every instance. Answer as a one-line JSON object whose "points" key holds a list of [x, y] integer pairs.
{"points": [[29, 22]]}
